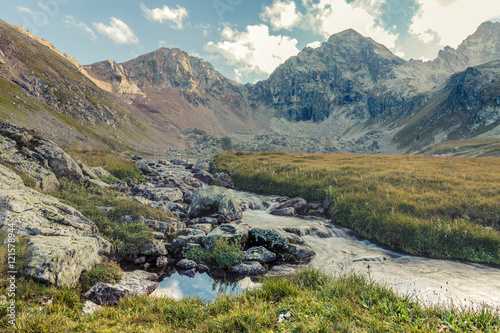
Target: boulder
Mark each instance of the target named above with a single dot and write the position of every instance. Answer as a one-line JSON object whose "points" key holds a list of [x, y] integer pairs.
{"points": [[301, 252], [188, 272], [100, 171], [60, 260], [161, 261], [26, 161], [204, 176], [97, 183], [90, 307], [259, 254], [140, 260], [237, 233], [192, 182], [214, 200], [35, 213], [248, 268], [134, 283], [186, 264], [88, 172], [154, 248], [288, 211], [61, 164], [121, 187], [283, 270], [271, 239]]}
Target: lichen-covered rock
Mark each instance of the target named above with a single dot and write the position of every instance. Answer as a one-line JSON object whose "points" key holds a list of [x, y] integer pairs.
{"points": [[134, 283], [161, 261], [90, 307], [260, 254], [204, 176], [271, 239], [154, 248], [237, 233], [87, 171], [61, 164], [248, 268], [35, 213], [214, 200], [61, 260]]}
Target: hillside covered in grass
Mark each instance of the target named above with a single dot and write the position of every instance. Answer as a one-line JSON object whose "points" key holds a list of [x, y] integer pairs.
{"points": [[430, 206]]}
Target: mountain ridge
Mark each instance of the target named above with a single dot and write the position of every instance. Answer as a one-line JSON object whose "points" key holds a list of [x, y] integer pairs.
{"points": [[350, 88]]}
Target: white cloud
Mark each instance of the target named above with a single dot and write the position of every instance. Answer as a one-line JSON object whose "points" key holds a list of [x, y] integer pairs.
{"points": [[175, 17], [254, 50], [281, 14], [424, 59], [400, 54], [314, 45], [70, 21], [118, 31], [332, 16], [451, 21], [25, 10]]}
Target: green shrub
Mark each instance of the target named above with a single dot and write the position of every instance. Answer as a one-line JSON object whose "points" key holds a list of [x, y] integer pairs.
{"points": [[108, 272], [198, 255], [223, 254], [226, 254]]}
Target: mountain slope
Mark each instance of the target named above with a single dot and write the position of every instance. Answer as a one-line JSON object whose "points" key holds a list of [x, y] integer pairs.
{"points": [[45, 90], [172, 86]]}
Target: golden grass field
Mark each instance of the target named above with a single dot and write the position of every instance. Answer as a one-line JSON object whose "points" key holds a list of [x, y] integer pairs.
{"points": [[444, 207]]}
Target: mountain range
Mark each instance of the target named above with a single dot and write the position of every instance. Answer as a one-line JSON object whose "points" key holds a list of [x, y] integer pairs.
{"points": [[351, 94]]}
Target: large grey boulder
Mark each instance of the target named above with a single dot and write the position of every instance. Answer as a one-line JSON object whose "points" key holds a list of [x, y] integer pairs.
{"points": [[172, 194], [61, 164], [61, 260], [232, 232], [166, 227], [134, 283], [290, 207], [214, 200], [35, 213]]}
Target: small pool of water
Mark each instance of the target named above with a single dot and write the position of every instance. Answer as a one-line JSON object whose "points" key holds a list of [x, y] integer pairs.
{"points": [[202, 286]]}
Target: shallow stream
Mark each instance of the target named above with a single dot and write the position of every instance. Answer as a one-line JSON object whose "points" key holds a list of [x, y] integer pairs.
{"points": [[340, 251]]}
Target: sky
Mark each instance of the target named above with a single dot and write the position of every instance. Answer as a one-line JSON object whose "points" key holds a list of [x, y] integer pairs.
{"points": [[245, 40]]}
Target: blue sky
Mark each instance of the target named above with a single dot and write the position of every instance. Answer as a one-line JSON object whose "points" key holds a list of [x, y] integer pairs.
{"points": [[244, 40]]}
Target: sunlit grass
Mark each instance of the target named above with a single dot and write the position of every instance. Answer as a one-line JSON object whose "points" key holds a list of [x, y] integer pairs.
{"points": [[439, 207]]}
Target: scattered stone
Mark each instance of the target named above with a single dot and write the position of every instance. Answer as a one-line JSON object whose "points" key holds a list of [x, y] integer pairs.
{"points": [[188, 272], [202, 268], [248, 268], [140, 260], [288, 211], [134, 283], [90, 307], [283, 270], [260, 254], [186, 264], [161, 261], [301, 252], [204, 176], [154, 248]]}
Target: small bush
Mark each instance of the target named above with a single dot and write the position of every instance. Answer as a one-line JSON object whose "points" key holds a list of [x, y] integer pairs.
{"points": [[226, 254], [108, 272], [223, 254], [196, 254]]}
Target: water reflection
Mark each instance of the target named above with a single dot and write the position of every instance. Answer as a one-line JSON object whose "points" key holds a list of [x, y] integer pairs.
{"points": [[202, 286]]}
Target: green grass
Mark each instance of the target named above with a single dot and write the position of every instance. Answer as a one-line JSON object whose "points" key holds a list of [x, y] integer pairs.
{"points": [[107, 272], [437, 207], [317, 303], [126, 237]]}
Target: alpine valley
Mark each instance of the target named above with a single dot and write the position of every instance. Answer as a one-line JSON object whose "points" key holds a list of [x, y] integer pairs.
{"points": [[351, 95]]}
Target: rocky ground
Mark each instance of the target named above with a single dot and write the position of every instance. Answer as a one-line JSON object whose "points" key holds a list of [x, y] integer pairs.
{"points": [[64, 243]]}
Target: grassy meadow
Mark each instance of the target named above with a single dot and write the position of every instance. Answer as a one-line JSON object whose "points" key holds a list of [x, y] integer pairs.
{"points": [[440, 207]]}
